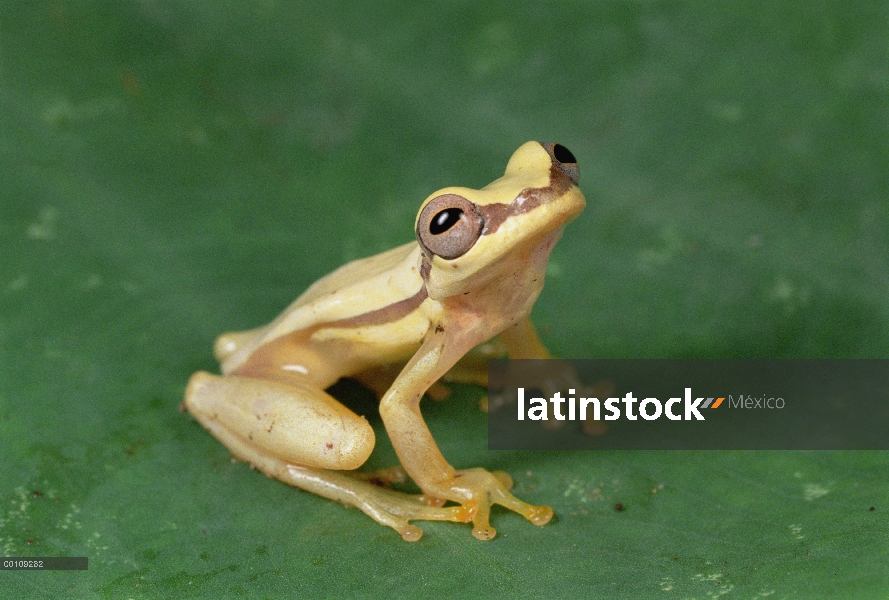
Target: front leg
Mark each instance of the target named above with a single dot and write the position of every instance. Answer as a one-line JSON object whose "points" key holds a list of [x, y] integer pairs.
{"points": [[474, 489]]}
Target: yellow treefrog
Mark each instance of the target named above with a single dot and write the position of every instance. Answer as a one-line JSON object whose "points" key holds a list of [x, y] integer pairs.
{"points": [[398, 322]]}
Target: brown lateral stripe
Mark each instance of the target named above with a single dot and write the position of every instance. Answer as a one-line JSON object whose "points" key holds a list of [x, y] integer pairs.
{"points": [[386, 314]]}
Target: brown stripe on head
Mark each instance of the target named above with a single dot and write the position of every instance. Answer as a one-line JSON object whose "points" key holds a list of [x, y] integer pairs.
{"points": [[530, 198]]}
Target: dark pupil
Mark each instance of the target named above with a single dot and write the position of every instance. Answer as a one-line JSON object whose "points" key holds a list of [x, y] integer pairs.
{"points": [[445, 220], [563, 154]]}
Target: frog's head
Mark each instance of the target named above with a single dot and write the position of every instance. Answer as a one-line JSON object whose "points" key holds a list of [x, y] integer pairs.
{"points": [[469, 236]]}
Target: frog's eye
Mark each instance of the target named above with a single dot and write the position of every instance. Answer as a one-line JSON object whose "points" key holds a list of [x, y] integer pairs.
{"points": [[449, 226], [563, 158]]}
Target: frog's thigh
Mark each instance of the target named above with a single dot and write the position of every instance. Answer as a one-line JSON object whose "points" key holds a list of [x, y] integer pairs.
{"points": [[294, 422]]}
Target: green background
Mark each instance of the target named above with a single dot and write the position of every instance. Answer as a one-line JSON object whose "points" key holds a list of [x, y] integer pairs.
{"points": [[172, 170]]}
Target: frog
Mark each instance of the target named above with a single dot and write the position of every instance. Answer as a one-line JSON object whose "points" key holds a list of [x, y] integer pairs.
{"points": [[400, 322]]}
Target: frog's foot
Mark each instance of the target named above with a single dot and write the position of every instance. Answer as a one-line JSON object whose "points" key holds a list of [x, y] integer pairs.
{"points": [[385, 506], [477, 489]]}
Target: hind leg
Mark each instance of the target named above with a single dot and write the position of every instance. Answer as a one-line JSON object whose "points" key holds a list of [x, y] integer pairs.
{"points": [[300, 435]]}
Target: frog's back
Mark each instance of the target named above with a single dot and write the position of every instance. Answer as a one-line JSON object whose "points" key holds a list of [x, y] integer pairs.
{"points": [[357, 288], [359, 282]]}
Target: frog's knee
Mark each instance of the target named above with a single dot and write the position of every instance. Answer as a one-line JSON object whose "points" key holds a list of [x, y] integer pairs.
{"points": [[198, 385]]}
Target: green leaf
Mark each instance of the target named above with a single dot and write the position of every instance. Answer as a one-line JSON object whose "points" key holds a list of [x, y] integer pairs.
{"points": [[173, 170]]}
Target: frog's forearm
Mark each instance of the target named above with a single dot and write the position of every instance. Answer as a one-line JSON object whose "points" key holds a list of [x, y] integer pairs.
{"points": [[416, 449], [400, 408]]}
